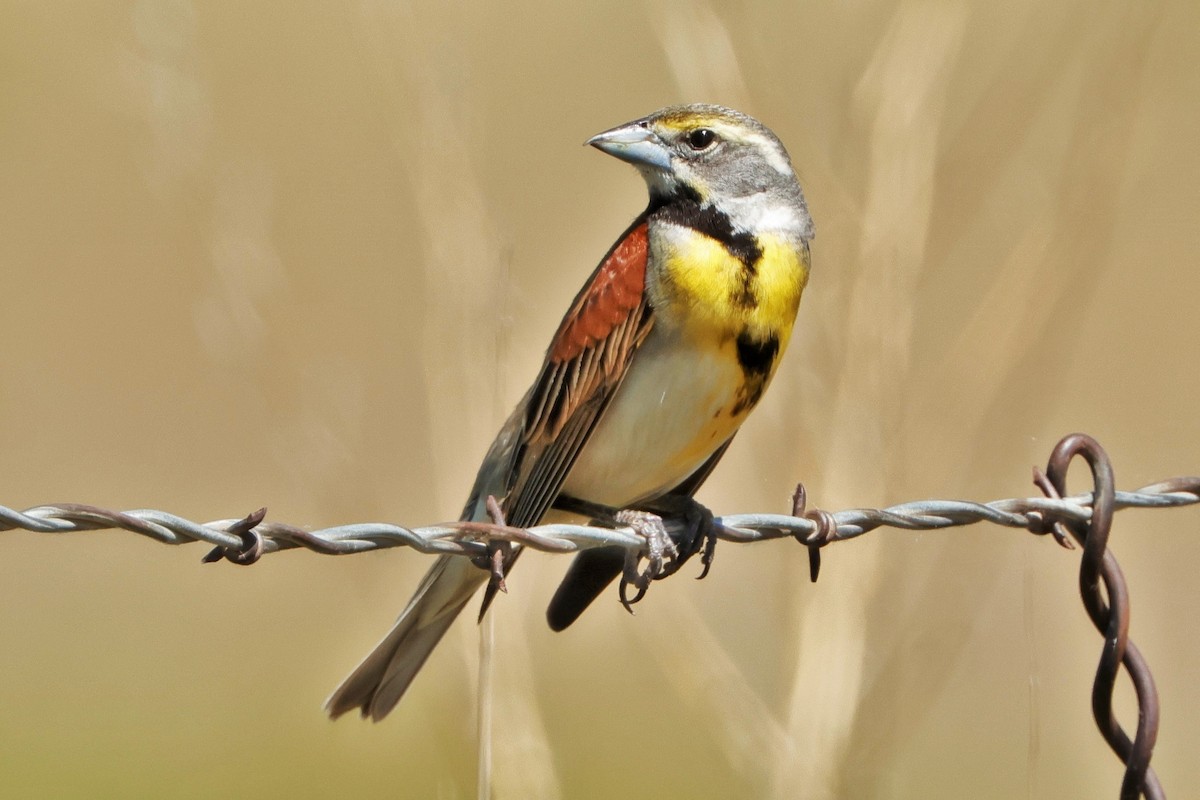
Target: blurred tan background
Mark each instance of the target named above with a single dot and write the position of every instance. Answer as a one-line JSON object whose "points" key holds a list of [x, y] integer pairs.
{"points": [[307, 256]]}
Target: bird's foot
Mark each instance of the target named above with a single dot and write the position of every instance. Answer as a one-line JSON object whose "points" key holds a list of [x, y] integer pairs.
{"points": [[660, 553], [699, 533]]}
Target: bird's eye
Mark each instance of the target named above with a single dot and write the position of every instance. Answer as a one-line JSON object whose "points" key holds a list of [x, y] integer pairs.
{"points": [[701, 138]]}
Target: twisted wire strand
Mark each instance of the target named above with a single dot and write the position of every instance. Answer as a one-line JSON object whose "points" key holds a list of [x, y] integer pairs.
{"points": [[1109, 612], [470, 538]]}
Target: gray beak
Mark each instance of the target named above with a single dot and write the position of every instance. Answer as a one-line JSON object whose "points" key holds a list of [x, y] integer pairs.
{"points": [[634, 143]]}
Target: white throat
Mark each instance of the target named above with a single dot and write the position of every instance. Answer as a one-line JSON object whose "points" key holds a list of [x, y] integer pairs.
{"points": [[762, 213]]}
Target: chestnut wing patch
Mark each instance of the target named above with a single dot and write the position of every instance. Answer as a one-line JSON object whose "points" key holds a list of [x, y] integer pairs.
{"points": [[613, 294], [585, 364]]}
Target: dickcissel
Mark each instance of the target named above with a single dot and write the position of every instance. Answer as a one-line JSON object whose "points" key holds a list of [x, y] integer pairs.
{"points": [[661, 357]]}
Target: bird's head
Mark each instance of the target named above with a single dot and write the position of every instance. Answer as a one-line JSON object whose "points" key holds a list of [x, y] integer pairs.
{"points": [[715, 156]]}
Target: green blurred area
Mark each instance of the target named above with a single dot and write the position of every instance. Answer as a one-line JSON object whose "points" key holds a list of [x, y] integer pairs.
{"points": [[308, 255]]}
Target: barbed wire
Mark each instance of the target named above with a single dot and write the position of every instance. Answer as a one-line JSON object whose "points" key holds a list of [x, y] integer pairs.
{"points": [[470, 538], [1084, 518]]}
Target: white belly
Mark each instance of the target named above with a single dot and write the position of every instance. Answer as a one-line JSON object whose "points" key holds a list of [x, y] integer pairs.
{"points": [[669, 415]]}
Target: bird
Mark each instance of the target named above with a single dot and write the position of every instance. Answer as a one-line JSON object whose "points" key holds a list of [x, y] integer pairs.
{"points": [[660, 358]]}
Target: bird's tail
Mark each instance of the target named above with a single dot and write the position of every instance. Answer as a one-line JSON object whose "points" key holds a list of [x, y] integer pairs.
{"points": [[379, 682]]}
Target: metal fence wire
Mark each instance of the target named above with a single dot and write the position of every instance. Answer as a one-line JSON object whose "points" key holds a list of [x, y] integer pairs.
{"points": [[1085, 519]]}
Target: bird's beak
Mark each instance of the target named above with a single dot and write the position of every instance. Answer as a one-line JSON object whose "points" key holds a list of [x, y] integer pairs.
{"points": [[634, 143]]}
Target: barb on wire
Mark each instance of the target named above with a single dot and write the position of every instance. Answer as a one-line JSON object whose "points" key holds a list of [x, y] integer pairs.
{"points": [[1084, 518]]}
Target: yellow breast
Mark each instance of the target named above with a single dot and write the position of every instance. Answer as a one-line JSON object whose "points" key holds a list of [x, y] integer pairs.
{"points": [[719, 328], [700, 285]]}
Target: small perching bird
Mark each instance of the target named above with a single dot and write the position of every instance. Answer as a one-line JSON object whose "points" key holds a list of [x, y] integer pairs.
{"points": [[661, 357]]}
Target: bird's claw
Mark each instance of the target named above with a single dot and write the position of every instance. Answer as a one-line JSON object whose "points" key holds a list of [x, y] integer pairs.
{"points": [[699, 533], [660, 553]]}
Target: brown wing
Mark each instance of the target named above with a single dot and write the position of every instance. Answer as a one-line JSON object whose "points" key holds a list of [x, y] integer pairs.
{"points": [[586, 362]]}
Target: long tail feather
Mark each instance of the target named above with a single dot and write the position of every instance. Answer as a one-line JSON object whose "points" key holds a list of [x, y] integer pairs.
{"points": [[378, 683]]}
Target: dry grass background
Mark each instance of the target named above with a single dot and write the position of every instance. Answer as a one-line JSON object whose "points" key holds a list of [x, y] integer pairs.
{"points": [[307, 256]]}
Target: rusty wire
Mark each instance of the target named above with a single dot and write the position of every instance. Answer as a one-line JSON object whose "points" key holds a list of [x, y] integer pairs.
{"points": [[1085, 518], [1109, 611]]}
